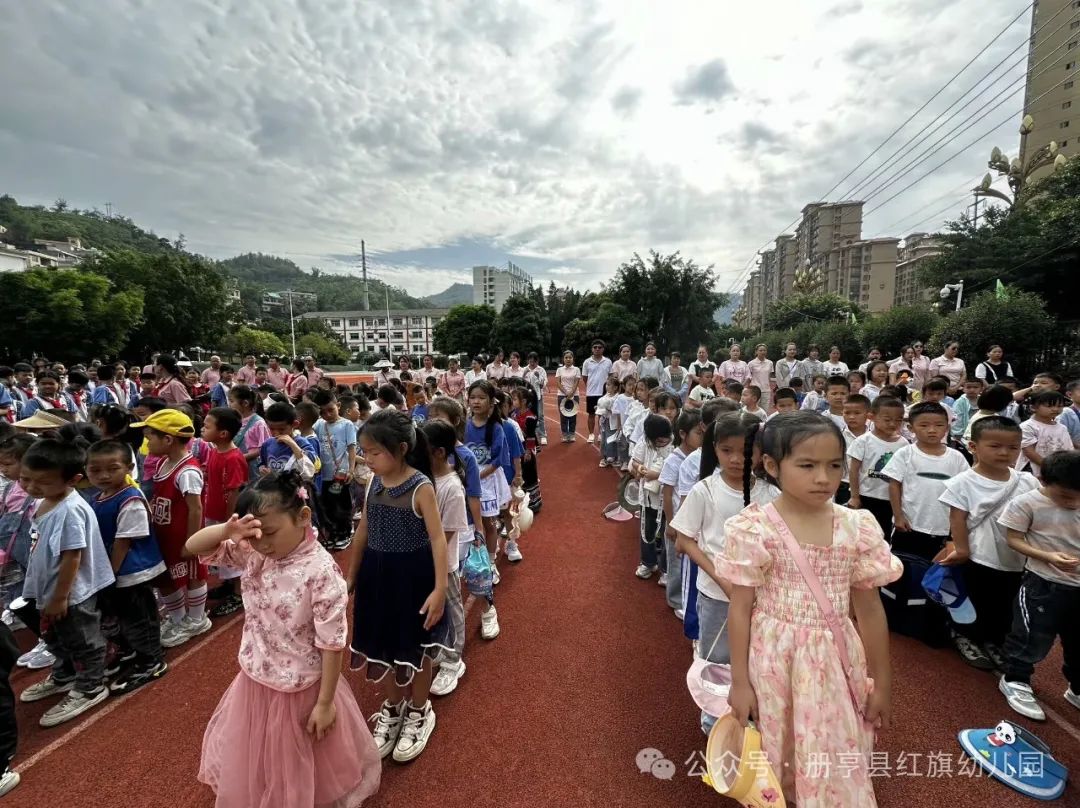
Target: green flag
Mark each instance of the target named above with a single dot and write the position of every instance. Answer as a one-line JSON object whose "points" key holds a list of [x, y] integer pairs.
{"points": [[999, 290]]}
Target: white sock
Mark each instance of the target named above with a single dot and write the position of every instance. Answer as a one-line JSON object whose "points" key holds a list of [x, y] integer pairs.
{"points": [[174, 605], [196, 601]]}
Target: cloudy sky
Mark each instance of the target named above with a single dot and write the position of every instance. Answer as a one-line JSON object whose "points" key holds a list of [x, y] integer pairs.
{"points": [[561, 135]]}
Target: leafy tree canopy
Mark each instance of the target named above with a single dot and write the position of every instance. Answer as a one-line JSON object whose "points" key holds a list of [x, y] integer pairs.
{"points": [[465, 329], [893, 329], [819, 306], [611, 322], [520, 327], [245, 340]]}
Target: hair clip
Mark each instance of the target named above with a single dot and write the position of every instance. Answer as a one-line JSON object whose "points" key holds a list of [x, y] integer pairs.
{"points": [[302, 493]]}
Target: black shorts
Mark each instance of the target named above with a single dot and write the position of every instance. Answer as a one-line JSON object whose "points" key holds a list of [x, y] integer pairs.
{"points": [[590, 404]]}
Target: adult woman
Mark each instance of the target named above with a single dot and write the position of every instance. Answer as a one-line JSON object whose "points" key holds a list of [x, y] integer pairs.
{"points": [[649, 366], [734, 368], [785, 367], [496, 370], [834, 367], [993, 370], [567, 377], [171, 386], [761, 371], [452, 383], [699, 365], [920, 365], [515, 370], [950, 366], [297, 383], [477, 374], [902, 362]]}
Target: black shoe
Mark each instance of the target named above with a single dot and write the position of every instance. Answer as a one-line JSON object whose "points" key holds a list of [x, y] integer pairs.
{"points": [[135, 676], [232, 603], [341, 543], [117, 662], [996, 656], [221, 591], [971, 653]]}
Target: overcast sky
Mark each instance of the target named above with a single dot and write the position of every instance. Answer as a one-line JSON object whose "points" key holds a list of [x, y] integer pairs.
{"points": [[564, 135]]}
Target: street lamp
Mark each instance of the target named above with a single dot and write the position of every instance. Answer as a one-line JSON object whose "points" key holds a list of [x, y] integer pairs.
{"points": [[949, 288], [1017, 174]]}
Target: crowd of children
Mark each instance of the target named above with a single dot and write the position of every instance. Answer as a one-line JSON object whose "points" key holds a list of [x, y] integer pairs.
{"points": [[120, 504], [741, 470]]}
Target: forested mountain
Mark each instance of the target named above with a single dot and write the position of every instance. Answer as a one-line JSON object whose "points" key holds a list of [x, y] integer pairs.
{"points": [[453, 295]]}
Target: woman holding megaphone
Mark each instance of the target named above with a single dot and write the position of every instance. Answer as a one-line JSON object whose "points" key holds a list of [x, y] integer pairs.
{"points": [[567, 378]]}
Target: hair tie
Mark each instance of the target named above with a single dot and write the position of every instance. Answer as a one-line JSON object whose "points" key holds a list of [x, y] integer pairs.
{"points": [[302, 493]]}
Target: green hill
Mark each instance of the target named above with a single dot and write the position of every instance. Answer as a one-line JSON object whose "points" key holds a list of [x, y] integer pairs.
{"points": [[451, 296], [26, 223]]}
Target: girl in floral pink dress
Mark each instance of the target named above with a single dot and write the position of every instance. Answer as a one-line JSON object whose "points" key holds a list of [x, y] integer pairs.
{"points": [[817, 714], [287, 733]]}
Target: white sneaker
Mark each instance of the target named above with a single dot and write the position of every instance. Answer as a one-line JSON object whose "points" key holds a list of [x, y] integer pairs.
{"points": [[193, 628], [415, 731], [73, 706], [1022, 699], [8, 781], [643, 572], [45, 688], [37, 657], [388, 726], [172, 633], [12, 621], [543, 441], [489, 624], [495, 577], [446, 680], [590, 439], [679, 613], [513, 552], [662, 580], [1072, 698]]}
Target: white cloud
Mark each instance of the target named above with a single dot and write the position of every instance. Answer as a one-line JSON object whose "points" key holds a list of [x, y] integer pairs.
{"points": [[573, 133]]}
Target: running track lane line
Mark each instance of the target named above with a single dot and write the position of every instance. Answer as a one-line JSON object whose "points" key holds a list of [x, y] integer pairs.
{"points": [[114, 703]]}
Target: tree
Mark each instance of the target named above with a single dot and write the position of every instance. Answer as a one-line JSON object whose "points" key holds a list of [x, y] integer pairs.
{"points": [[66, 313], [893, 329], [60, 205], [520, 326], [611, 322], [465, 329], [814, 307], [562, 307], [673, 298], [1019, 323], [324, 350], [252, 341]]}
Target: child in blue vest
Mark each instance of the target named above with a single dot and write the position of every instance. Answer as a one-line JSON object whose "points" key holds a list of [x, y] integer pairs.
{"points": [[123, 517]]}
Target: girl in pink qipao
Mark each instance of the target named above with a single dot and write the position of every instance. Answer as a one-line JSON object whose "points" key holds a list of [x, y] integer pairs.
{"points": [[808, 689], [288, 732]]}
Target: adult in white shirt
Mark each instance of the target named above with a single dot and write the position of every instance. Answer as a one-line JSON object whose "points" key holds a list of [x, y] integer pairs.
{"points": [[515, 370], [921, 365], [761, 374], [734, 368], [476, 373], [785, 368], [995, 367], [873, 355], [649, 366], [699, 365], [497, 369], [537, 377], [596, 370], [623, 366], [834, 367], [950, 366]]}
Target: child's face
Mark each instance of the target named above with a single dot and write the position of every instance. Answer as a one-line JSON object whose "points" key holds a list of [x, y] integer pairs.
{"points": [[786, 405], [996, 448], [1048, 412], [855, 417], [48, 484], [238, 405], [612, 388], [819, 385], [879, 375], [856, 383], [835, 395], [47, 387], [147, 386], [158, 443], [887, 420], [731, 456], [480, 404], [377, 457], [108, 471], [281, 532], [692, 439], [279, 428], [706, 378], [9, 465], [749, 400], [353, 411], [421, 398], [260, 377], [812, 471], [23, 377], [1042, 383], [329, 413], [929, 429], [211, 433], [669, 411], [1067, 498], [1074, 396], [642, 392], [933, 396], [142, 412], [227, 376], [972, 390], [192, 377]]}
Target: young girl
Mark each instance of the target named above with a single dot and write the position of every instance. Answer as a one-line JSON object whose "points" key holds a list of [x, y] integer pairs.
{"points": [[787, 673], [609, 422], [288, 731], [567, 377], [728, 446], [620, 411], [877, 376], [486, 439], [524, 412], [688, 432], [646, 464], [857, 381], [399, 573], [450, 496], [253, 429]]}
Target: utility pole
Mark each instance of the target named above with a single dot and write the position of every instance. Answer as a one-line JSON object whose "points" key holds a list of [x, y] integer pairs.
{"points": [[108, 210], [363, 263], [292, 324]]}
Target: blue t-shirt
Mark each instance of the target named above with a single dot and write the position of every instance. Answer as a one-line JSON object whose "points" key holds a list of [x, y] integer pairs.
{"points": [[37, 403], [514, 449], [71, 525], [5, 399], [472, 475], [219, 395], [276, 456], [334, 442], [419, 414], [494, 454]]}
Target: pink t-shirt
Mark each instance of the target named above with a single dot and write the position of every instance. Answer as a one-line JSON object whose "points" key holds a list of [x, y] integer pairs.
{"points": [[277, 377], [246, 375], [295, 608], [734, 369], [255, 437]]}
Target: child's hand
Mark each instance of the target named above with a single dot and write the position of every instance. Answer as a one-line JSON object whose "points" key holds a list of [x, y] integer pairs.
{"points": [[901, 523], [287, 440], [56, 608], [433, 608], [854, 503], [743, 702], [879, 709], [951, 555], [247, 528], [1063, 561], [321, 720], [670, 534], [263, 471]]}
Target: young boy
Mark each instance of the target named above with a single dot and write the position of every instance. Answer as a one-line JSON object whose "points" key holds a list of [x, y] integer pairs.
{"points": [[992, 572], [177, 513], [703, 391], [733, 390], [147, 383], [967, 406], [751, 401], [337, 445], [1042, 434], [67, 569], [800, 392], [869, 454], [123, 517], [917, 474], [816, 399], [225, 473], [219, 393], [837, 390], [856, 412], [420, 408], [1044, 526], [786, 401], [286, 447]]}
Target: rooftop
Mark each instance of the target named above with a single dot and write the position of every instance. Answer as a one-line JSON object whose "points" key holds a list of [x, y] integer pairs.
{"points": [[379, 313]]}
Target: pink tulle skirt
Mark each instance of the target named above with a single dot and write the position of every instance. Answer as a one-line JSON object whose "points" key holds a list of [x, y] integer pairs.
{"points": [[257, 752]]}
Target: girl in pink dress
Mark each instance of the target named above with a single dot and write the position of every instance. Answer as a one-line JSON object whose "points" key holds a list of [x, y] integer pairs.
{"points": [[817, 722], [288, 732]]}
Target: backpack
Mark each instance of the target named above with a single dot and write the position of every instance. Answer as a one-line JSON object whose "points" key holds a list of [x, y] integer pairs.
{"points": [[907, 608]]}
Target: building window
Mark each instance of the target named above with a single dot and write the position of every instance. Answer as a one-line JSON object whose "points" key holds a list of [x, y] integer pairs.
{"points": [[399, 349], [354, 336], [397, 335], [416, 320], [1074, 25], [370, 321], [1066, 105], [381, 335], [335, 323], [1070, 65], [398, 321], [1063, 125], [354, 323], [1071, 45], [416, 334], [1067, 85]]}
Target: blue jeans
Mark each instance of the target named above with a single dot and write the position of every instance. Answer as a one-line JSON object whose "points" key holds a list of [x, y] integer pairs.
{"points": [[568, 425], [713, 641]]}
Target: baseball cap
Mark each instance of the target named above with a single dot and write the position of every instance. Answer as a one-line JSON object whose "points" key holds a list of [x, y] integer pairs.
{"points": [[171, 422], [945, 586]]}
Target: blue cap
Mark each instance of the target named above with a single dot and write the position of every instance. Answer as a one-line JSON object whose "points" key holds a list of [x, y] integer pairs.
{"points": [[945, 586]]}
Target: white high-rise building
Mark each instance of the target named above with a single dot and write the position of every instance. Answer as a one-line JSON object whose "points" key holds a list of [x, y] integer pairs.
{"points": [[492, 285]]}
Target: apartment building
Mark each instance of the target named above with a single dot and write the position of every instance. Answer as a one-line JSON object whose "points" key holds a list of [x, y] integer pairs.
{"points": [[402, 331], [918, 249], [823, 227], [492, 285], [864, 272], [1052, 93]]}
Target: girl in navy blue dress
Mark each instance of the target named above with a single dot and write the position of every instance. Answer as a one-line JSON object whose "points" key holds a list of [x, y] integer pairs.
{"points": [[399, 572]]}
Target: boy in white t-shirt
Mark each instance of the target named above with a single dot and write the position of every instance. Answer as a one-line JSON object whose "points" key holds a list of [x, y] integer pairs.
{"points": [[869, 454], [751, 401], [856, 412], [1042, 434], [703, 391], [1044, 526], [917, 475], [620, 410], [991, 570]]}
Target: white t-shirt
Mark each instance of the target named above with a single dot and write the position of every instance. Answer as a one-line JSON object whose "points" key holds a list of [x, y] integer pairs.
{"points": [[1048, 528], [984, 500], [923, 477], [652, 459], [849, 438], [839, 369], [702, 394], [635, 413], [603, 406], [567, 378], [188, 481], [450, 498], [875, 454], [697, 366], [596, 372], [689, 472], [702, 517], [133, 522], [669, 476], [472, 376], [1044, 439], [620, 406]]}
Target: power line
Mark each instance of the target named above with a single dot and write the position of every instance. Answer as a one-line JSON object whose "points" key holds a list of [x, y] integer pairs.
{"points": [[966, 185]]}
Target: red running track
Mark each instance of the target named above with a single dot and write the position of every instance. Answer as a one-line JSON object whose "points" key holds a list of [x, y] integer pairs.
{"points": [[589, 669]]}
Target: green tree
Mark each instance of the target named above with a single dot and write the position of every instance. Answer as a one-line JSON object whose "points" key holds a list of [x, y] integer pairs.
{"points": [[67, 313], [327, 351], [844, 336], [520, 326], [1020, 324], [611, 322], [815, 307], [247, 340], [673, 298], [562, 307], [893, 329], [465, 329]]}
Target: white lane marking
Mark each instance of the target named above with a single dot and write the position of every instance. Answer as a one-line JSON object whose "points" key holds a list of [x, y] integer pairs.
{"points": [[116, 702]]}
